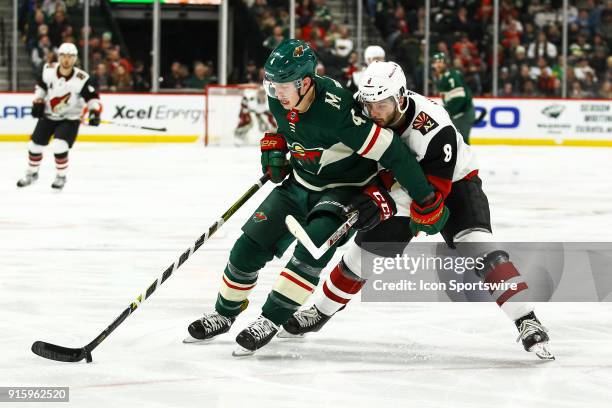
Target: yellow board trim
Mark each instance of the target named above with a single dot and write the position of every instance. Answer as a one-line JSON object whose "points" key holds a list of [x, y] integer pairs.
{"points": [[116, 138], [194, 138]]}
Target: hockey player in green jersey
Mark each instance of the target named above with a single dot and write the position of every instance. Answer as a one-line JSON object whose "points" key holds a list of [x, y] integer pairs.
{"points": [[333, 154], [456, 95]]}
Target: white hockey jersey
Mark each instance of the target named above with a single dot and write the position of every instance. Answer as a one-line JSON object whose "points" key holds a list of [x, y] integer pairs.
{"points": [[65, 97], [439, 148]]}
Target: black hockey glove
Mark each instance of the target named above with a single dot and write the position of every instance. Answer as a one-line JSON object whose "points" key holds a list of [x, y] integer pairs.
{"points": [[38, 109], [374, 205], [94, 118]]}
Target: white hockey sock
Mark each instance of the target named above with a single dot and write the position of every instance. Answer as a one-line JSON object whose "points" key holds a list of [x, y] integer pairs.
{"points": [[338, 289], [35, 155]]}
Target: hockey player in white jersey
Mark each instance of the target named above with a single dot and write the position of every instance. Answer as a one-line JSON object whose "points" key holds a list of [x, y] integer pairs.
{"points": [[372, 53], [450, 166], [60, 96]]}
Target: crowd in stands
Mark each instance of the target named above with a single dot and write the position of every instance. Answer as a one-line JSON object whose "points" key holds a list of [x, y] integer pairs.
{"points": [[315, 24], [530, 44], [47, 24]]}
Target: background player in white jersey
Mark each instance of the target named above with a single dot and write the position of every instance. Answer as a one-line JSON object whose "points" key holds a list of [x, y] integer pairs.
{"points": [[450, 166], [61, 91], [371, 54]]}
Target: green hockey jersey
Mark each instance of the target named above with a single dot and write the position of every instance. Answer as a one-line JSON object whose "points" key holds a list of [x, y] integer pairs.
{"points": [[457, 97], [333, 145]]}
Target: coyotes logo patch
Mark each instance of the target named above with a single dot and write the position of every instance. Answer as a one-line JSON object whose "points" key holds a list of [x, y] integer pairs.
{"points": [[424, 123], [59, 103]]}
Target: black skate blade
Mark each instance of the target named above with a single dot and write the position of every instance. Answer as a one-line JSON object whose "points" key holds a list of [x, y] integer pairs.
{"points": [[59, 353]]}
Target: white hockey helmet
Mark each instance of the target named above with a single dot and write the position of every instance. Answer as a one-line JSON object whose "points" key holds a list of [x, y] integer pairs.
{"points": [[383, 80], [373, 51], [68, 48]]}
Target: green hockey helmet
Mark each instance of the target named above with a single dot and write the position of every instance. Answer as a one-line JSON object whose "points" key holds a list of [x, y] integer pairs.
{"points": [[291, 61], [439, 56]]}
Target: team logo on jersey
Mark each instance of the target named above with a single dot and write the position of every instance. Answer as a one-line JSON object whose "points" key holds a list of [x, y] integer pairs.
{"points": [[424, 123], [302, 154], [260, 216], [308, 159], [59, 103], [299, 51], [293, 117]]}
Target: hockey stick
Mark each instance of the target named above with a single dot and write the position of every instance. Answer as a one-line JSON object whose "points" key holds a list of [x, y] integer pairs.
{"points": [[110, 122], [483, 113], [302, 236], [60, 353]]}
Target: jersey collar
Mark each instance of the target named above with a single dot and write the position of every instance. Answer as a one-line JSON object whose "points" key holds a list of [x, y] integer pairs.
{"points": [[409, 115], [57, 71]]}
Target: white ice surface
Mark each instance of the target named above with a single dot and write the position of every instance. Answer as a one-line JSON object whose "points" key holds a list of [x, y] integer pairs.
{"points": [[71, 262]]}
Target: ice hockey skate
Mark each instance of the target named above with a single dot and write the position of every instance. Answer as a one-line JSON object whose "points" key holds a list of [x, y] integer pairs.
{"points": [[534, 336], [208, 327], [302, 322], [59, 183], [28, 179], [255, 336]]}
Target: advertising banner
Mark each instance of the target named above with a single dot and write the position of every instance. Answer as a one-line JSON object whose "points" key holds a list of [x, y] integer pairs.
{"points": [[125, 118]]}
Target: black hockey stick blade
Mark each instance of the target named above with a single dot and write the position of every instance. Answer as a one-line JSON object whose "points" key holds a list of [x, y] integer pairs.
{"points": [[59, 353]]}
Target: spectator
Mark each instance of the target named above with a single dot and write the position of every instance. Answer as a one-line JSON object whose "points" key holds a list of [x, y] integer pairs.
{"points": [[174, 79], [276, 38], [606, 90], [51, 57], [466, 51], [33, 35], [142, 81], [546, 16], [590, 84], [96, 58], [49, 7], [122, 79], [322, 14], [507, 90], [523, 76], [39, 53], [250, 74], [57, 27], [577, 92], [107, 43], [529, 33], [460, 22], [529, 89], [604, 27], [583, 21], [200, 78], [343, 46], [101, 78], [582, 69], [541, 48], [397, 26], [114, 60]]}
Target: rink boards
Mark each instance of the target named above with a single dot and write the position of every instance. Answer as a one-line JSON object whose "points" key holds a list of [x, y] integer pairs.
{"points": [[512, 121]]}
